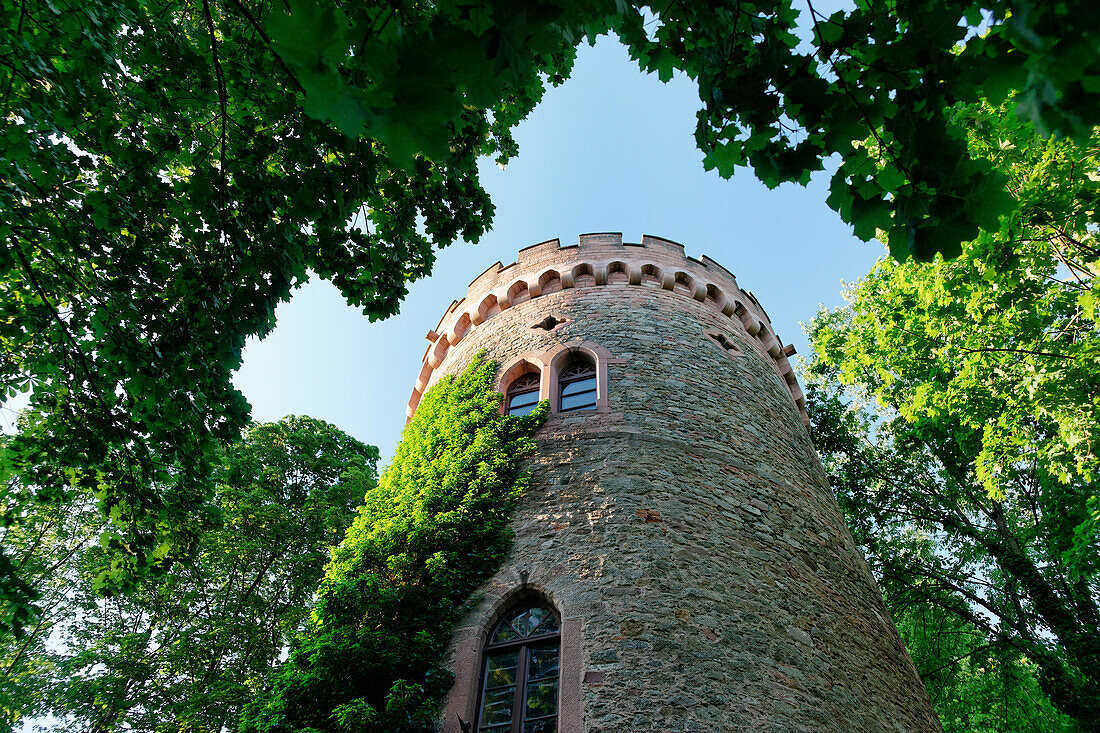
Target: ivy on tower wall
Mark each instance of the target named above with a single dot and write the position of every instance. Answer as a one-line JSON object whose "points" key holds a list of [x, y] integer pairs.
{"points": [[427, 536]]}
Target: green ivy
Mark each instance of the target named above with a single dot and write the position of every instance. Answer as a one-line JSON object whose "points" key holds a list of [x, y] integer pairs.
{"points": [[434, 529]]}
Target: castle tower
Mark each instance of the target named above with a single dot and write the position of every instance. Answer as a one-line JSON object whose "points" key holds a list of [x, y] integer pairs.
{"points": [[679, 563]]}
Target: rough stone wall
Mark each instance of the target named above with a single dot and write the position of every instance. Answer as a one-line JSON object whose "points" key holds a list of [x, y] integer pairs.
{"points": [[704, 575]]}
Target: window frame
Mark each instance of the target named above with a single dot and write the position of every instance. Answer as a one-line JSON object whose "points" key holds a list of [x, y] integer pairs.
{"points": [[549, 365], [523, 645], [559, 359], [565, 380], [514, 390]]}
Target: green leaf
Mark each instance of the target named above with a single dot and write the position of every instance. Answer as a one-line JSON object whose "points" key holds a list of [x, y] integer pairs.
{"points": [[726, 157], [308, 34]]}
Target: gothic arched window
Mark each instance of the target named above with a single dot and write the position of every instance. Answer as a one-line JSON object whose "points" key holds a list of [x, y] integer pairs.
{"points": [[519, 682], [523, 394], [577, 385]]}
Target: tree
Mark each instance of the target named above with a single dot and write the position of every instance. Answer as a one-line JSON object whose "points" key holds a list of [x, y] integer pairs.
{"points": [[186, 650], [973, 483], [981, 645], [975, 686], [42, 548], [151, 220], [434, 529], [888, 72]]}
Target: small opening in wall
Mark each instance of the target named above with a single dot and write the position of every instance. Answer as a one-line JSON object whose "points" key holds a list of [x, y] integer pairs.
{"points": [[725, 343], [549, 323]]}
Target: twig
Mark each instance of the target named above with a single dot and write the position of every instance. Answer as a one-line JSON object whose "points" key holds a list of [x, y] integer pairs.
{"points": [[255, 23], [223, 102]]}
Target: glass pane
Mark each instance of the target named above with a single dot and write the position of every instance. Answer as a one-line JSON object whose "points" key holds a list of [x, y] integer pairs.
{"points": [[496, 706], [504, 633], [527, 398], [581, 385], [534, 618], [523, 622], [542, 698], [500, 669], [523, 409], [542, 662], [520, 622], [549, 624], [549, 725], [504, 630], [578, 401]]}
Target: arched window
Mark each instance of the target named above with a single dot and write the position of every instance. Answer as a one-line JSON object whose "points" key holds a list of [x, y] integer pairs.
{"points": [[519, 683], [523, 394], [577, 385]]}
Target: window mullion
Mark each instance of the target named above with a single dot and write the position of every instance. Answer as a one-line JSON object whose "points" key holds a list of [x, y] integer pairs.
{"points": [[521, 690]]}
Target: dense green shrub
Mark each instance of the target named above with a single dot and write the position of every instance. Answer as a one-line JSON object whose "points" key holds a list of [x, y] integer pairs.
{"points": [[434, 529]]}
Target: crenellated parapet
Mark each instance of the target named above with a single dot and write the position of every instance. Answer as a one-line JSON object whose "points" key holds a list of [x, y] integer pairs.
{"points": [[600, 260]]}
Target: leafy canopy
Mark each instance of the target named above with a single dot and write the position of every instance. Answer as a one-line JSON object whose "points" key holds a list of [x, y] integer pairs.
{"points": [[184, 650], [991, 575], [434, 529], [1003, 340], [975, 686], [170, 170], [971, 475], [887, 72]]}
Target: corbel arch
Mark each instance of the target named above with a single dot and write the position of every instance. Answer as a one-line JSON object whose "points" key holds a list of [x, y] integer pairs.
{"points": [[720, 300], [683, 283], [518, 292], [583, 275], [461, 328], [653, 276], [769, 342], [751, 324], [686, 284], [550, 282], [618, 273], [486, 309], [438, 352]]}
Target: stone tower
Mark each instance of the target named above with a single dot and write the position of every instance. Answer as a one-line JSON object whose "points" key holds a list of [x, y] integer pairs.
{"points": [[679, 524]]}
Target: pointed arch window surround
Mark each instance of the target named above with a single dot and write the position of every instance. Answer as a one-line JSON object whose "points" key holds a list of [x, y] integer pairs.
{"points": [[519, 681], [570, 377], [523, 394]]}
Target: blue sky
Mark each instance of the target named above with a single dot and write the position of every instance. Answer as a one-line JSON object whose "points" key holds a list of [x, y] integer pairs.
{"points": [[610, 150]]}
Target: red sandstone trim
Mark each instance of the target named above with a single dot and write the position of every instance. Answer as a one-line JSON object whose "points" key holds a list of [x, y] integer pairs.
{"points": [[470, 641], [549, 364]]}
